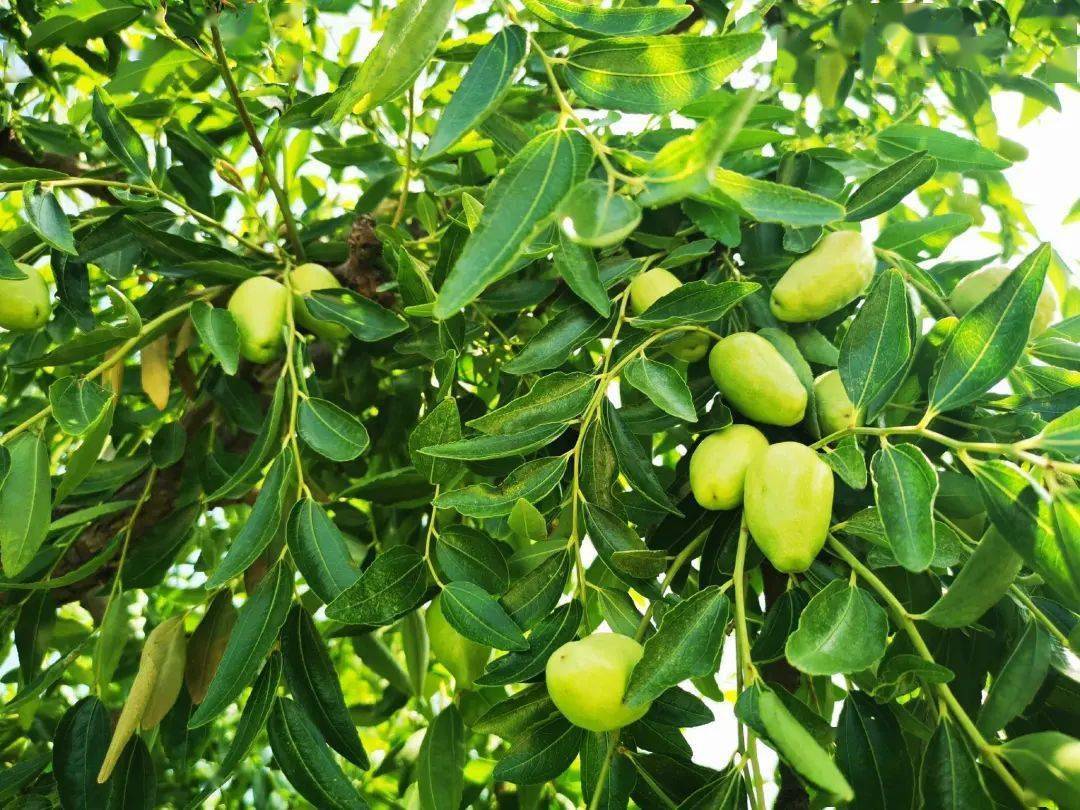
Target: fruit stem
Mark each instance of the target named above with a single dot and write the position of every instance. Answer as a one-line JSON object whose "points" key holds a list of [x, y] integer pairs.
{"points": [[256, 143], [745, 673], [400, 210], [903, 619]]}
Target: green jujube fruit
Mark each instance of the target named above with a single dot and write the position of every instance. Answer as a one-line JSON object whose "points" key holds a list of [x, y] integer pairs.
{"points": [[24, 302], [718, 465], [973, 289], [307, 278], [832, 275], [787, 504], [835, 410], [259, 306], [462, 657], [649, 287], [756, 380], [587, 681]]}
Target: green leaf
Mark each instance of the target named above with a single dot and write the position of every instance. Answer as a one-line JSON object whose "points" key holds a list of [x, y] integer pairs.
{"points": [[531, 481], [465, 553], [168, 445], [655, 74], [577, 266], [557, 339], [695, 302], [878, 346], [765, 201], [319, 550], [514, 716], [687, 644], [302, 754], [594, 216], [77, 404], [1062, 435], [217, 329], [526, 522], [25, 503], [475, 614], [781, 619], [554, 398], [842, 630], [541, 754], [795, 744], [440, 425], [1046, 761], [365, 319], [952, 152], [482, 88], [48, 219], [9, 270], [413, 29], [79, 745], [253, 637], [1039, 530], [313, 682], [133, 781], [440, 765], [527, 193], [330, 431], [610, 536], [483, 446], [847, 461], [1017, 681], [633, 461], [536, 593], [252, 721], [927, 236], [621, 777], [882, 191], [989, 339], [550, 633], [870, 751], [265, 443], [120, 137], [905, 485], [663, 385], [75, 23], [949, 778], [389, 588], [596, 22], [264, 522]]}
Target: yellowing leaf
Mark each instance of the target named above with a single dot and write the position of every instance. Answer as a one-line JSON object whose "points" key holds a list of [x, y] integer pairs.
{"points": [[154, 369]]}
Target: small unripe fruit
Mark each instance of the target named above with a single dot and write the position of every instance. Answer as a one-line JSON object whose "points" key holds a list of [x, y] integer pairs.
{"points": [[832, 275], [690, 348], [973, 289], [649, 287], [259, 306], [24, 302], [756, 380], [463, 657], [835, 411], [718, 465], [304, 279], [587, 680], [787, 503]]}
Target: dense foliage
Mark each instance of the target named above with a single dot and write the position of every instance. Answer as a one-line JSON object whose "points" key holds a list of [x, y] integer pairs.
{"points": [[360, 361]]}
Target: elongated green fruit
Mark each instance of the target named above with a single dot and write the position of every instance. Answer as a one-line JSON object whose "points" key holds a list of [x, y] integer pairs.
{"points": [[648, 288], [787, 503], [973, 288], [307, 278], [832, 275], [587, 680], [24, 303], [756, 380], [259, 306], [835, 410], [718, 465]]}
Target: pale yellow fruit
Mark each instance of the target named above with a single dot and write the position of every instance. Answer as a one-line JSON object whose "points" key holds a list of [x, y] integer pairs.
{"points": [[973, 289], [259, 306], [835, 411], [756, 380], [587, 680], [787, 504], [307, 278], [832, 275], [463, 657], [718, 465], [24, 302], [648, 287]]}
